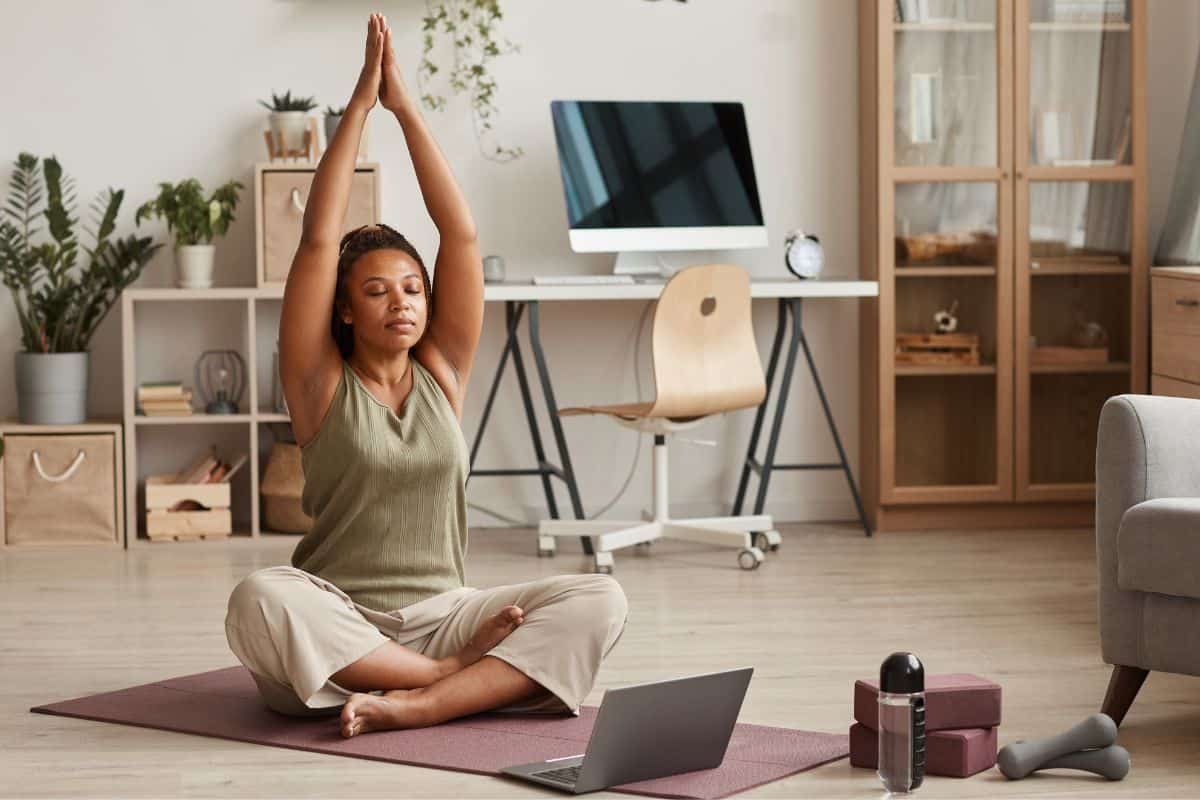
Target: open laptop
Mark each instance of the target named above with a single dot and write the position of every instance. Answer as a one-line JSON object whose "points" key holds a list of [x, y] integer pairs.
{"points": [[649, 731]]}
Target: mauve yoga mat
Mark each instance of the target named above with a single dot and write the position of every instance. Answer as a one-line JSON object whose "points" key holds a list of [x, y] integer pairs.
{"points": [[225, 703]]}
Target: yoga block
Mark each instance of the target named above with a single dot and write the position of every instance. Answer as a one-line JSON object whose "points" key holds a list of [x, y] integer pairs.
{"points": [[951, 702], [952, 754]]}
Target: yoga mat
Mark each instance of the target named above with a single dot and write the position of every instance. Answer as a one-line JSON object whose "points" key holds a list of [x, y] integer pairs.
{"points": [[225, 703]]}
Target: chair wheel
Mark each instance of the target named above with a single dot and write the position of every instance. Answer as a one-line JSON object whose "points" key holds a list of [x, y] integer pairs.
{"points": [[603, 563], [750, 558], [544, 553], [768, 541], [604, 569], [642, 548]]}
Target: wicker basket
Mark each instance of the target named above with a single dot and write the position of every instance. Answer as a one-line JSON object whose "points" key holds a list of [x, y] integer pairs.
{"points": [[282, 486]]}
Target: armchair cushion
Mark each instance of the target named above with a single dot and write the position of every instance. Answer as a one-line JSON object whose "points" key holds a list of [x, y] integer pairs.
{"points": [[1158, 547]]}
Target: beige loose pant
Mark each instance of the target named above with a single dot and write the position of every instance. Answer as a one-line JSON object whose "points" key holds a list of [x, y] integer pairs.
{"points": [[293, 630]]}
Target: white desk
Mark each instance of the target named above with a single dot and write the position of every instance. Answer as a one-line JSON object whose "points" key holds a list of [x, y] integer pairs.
{"points": [[521, 296]]}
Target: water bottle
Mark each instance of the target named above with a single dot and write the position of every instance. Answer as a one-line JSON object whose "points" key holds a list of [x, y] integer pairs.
{"points": [[901, 722]]}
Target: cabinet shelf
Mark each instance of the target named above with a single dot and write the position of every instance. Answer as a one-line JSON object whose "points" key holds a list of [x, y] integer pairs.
{"points": [[949, 26], [190, 419], [1080, 27], [944, 369], [947, 272], [1069, 369], [1036, 269]]}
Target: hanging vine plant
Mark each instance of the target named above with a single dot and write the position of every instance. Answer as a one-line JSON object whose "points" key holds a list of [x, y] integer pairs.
{"points": [[470, 26]]}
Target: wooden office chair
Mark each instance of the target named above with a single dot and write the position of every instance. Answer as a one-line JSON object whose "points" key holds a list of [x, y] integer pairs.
{"points": [[705, 362]]}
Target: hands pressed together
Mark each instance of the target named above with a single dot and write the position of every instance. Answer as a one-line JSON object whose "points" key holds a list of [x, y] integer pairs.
{"points": [[380, 77]]}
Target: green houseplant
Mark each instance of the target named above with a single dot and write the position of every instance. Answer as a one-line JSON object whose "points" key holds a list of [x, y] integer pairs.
{"points": [[470, 26], [193, 221], [60, 302], [289, 119]]}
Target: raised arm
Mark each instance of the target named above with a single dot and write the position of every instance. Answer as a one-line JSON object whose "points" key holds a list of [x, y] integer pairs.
{"points": [[449, 344], [309, 361]]}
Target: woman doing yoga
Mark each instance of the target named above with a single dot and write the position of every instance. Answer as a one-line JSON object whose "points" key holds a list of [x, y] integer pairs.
{"points": [[373, 616]]}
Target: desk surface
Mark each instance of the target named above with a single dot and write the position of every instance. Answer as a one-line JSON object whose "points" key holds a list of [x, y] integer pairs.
{"points": [[526, 290]]}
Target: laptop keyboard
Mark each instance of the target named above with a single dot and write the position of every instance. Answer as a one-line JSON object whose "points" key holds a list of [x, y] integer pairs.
{"points": [[567, 775]]}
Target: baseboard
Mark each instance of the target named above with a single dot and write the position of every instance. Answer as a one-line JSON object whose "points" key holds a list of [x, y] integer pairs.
{"points": [[825, 510]]}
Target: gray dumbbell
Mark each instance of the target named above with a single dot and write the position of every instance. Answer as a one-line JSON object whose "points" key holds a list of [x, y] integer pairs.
{"points": [[1021, 758], [1111, 762]]}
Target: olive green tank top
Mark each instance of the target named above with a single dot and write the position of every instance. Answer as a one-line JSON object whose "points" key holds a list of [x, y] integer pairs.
{"points": [[387, 495]]}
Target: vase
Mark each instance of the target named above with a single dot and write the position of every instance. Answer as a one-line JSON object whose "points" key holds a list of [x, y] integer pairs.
{"points": [[288, 128], [51, 388], [194, 265], [331, 124]]}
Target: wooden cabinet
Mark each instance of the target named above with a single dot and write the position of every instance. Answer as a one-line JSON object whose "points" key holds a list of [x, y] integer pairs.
{"points": [[1002, 178], [1175, 315], [281, 192]]}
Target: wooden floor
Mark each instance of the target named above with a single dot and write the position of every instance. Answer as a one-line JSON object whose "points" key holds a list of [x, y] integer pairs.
{"points": [[1018, 607]]}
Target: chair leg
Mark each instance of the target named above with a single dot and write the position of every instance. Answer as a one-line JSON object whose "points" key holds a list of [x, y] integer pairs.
{"points": [[1123, 686]]}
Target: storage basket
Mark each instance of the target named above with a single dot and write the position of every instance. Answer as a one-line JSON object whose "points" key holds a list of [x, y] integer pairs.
{"points": [[59, 489], [282, 487]]}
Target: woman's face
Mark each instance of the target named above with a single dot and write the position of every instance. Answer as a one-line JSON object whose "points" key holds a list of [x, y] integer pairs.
{"points": [[388, 307]]}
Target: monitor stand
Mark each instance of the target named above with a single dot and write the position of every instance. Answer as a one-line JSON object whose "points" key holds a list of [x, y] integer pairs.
{"points": [[638, 263]]}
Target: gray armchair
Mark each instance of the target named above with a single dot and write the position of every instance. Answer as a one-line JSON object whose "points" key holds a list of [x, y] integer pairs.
{"points": [[1148, 541]]}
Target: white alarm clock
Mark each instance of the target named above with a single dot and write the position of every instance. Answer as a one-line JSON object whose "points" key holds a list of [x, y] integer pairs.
{"points": [[803, 254]]}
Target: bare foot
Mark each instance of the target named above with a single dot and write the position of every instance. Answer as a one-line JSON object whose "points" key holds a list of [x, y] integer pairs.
{"points": [[491, 633], [364, 713]]}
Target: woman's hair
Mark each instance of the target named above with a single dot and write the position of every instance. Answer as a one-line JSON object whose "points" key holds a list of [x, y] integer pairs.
{"points": [[354, 244]]}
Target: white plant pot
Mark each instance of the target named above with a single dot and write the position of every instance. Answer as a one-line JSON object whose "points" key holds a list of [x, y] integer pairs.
{"points": [[194, 263], [288, 127]]}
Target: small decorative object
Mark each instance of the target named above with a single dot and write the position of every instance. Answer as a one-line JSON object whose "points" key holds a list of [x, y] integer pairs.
{"points": [[1088, 746], [470, 27], [901, 722], [59, 308], [803, 255], [282, 487], [333, 118], [493, 269], [220, 378], [194, 222], [929, 349], [944, 320], [292, 134], [1089, 334]]}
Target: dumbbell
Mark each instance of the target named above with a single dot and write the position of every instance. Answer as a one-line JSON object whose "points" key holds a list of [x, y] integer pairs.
{"points": [[1111, 762], [1097, 731]]}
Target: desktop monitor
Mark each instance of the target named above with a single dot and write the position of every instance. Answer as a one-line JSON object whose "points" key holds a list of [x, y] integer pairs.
{"points": [[641, 177]]}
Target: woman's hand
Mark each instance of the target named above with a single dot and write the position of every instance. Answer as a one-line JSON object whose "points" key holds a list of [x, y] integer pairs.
{"points": [[393, 94], [367, 89]]}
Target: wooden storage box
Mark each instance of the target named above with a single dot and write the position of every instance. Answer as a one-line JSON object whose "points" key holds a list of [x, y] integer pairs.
{"points": [[937, 348], [280, 194], [59, 488], [215, 521]]}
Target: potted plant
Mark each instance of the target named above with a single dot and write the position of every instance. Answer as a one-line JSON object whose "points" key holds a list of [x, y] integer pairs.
{"points": [[289, 119], [58, 305], [194, 221], [333, 118]]}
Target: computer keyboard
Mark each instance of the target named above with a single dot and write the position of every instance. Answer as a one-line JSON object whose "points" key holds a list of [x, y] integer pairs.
{"points": [[566, 775], [583, 280]]}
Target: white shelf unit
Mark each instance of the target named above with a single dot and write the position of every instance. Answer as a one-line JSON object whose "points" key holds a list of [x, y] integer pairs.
{"points": [[251, 301]]}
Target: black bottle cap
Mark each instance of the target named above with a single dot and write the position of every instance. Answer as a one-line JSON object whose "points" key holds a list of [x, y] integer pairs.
{"points": [[901, 673]]}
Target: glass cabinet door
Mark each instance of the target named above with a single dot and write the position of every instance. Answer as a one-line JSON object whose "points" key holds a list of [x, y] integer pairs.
{"points": [[1077, 266], [944, 96]]}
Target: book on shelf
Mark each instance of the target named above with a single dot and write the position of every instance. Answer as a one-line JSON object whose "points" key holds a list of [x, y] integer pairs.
{"points": [[167, 408], [1090, 11], [162, 391]]}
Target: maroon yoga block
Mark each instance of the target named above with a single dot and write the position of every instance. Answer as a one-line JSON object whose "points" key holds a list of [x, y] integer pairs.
{"points": [[951, 702], [953, 754]]}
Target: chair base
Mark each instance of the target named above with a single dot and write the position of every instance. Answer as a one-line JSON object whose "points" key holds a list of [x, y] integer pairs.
{"points": [[754, 536]]}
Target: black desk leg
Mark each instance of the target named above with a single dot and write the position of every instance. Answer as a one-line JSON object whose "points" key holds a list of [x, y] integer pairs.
{"points": [[790, 308], [539, 360], [513, 311], [812, 367]]}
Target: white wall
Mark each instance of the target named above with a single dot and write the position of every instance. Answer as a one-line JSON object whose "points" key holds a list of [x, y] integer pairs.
{"points": [[128, 94]]}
